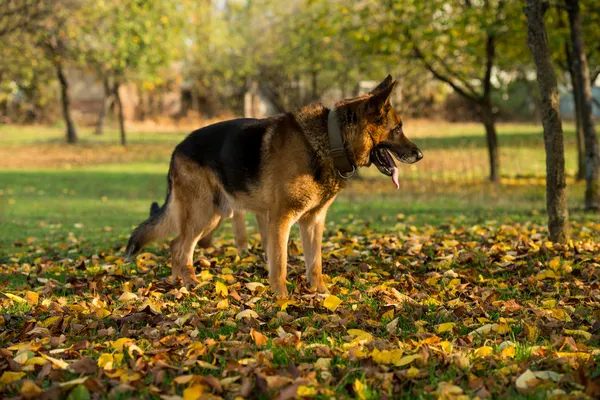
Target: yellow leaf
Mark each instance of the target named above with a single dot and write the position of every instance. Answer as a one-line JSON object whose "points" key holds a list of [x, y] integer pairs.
{"points": [[221, 289], [193, 392], [36, 361], [248, 314], [61, 364], [284, 303], [508, 352], [106, 361], [560, 314], [258, 337], [183, 379], [119, 343], [388, 314], [360, 389], [23, 356], [49, 321], [550, 303], [205, 275], [412, 372], [9, 377], [484, 351], [306, 391], [502, 328], [30, 390], [386, 356], [554, 263], [332, 302], [579, 332], [204, 364], [407, 360], [223, 304], [32, 297], [72, 383], [134, 350], [446, 346], [130, 376], [360, 335], [445, 327], [15, 298], [531, 332], [128, 296]]}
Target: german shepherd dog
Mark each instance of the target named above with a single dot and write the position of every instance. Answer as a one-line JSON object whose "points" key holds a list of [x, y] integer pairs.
{"points": [[286, 169]]}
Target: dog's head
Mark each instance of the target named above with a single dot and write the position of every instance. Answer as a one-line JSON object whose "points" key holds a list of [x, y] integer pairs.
{"points": [[374, 132]]}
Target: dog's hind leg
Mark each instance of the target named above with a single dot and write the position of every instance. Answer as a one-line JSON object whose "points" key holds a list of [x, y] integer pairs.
{"points": [[196, 224], [197, 208], [239, 230]]}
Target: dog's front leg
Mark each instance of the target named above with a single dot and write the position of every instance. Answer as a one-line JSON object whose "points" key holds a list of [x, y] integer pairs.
{"points": [[278, 228], [311, 234]]}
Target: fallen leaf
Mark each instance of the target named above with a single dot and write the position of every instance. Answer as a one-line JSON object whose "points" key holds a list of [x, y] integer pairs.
{"points": [[332, 302]]}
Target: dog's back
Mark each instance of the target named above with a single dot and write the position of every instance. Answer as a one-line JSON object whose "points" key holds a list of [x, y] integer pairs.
{"points": [[231, 148]]}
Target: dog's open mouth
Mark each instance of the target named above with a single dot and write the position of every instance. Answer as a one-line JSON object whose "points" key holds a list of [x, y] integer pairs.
{"points": [[384, 162]]}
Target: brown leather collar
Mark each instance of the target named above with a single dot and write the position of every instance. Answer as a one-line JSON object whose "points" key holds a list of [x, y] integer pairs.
{"points": [[336, 147]]}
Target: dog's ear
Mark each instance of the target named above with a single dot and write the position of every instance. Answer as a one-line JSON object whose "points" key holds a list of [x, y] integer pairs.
{"points": [[381, 98], [384, 84]]}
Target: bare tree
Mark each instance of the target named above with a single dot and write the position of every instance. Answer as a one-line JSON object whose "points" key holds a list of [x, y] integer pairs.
{"points": [[556, 196], [581, 74]]}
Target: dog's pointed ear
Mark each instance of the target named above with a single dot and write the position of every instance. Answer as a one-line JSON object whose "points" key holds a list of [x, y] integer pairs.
{"points": [[384, 84], [381, 98]]}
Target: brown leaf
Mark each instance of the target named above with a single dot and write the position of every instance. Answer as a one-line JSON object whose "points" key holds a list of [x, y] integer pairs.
{"points": [[86, 365]]}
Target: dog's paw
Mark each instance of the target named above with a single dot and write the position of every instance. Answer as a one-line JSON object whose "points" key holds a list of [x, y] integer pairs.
{"points": [[280, 292]]}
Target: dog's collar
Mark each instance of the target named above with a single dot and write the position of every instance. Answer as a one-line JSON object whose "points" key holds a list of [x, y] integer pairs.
{"points": [[336, 147]]}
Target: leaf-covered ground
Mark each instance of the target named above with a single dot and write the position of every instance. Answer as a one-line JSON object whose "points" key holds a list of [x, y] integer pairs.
{"points": [[451, 311]]}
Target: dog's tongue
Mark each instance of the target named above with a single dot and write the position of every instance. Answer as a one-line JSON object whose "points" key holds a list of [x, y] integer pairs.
{"points": [[395, 177]]}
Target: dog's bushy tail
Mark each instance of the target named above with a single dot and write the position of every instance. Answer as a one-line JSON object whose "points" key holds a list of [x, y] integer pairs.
{"points": [[154, 209], [156, 227]]}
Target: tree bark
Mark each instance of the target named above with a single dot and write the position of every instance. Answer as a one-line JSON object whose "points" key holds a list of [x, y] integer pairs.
{"points": [[556, 196], [106, 100], [66, 104], [582, 79], [578, 128], [121, 117]]}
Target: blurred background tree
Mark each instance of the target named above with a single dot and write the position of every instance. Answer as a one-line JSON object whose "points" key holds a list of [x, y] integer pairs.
{"points": [[146, 60]]}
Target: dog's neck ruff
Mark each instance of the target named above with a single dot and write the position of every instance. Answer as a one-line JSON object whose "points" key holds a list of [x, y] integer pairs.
{"points": [[337, 148]]}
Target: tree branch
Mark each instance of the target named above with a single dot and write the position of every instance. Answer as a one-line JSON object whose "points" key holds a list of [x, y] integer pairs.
{"points": [[444, 78]]}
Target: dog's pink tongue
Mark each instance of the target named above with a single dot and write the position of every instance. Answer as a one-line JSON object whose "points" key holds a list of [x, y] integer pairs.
{"points": [[395, 177]]}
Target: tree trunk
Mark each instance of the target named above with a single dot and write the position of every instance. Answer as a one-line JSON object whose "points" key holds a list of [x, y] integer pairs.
{"points": [[488, 120], [121, 117], [487, 110], [582, 79], [66, 104], [106, 100], [556, 196], [578, 128]]}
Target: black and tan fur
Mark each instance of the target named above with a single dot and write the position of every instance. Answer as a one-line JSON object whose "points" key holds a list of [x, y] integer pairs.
{"points": [[280, 169]]}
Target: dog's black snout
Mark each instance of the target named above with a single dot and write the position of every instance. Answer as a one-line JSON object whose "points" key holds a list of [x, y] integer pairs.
{"points": [[417, 153]]}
